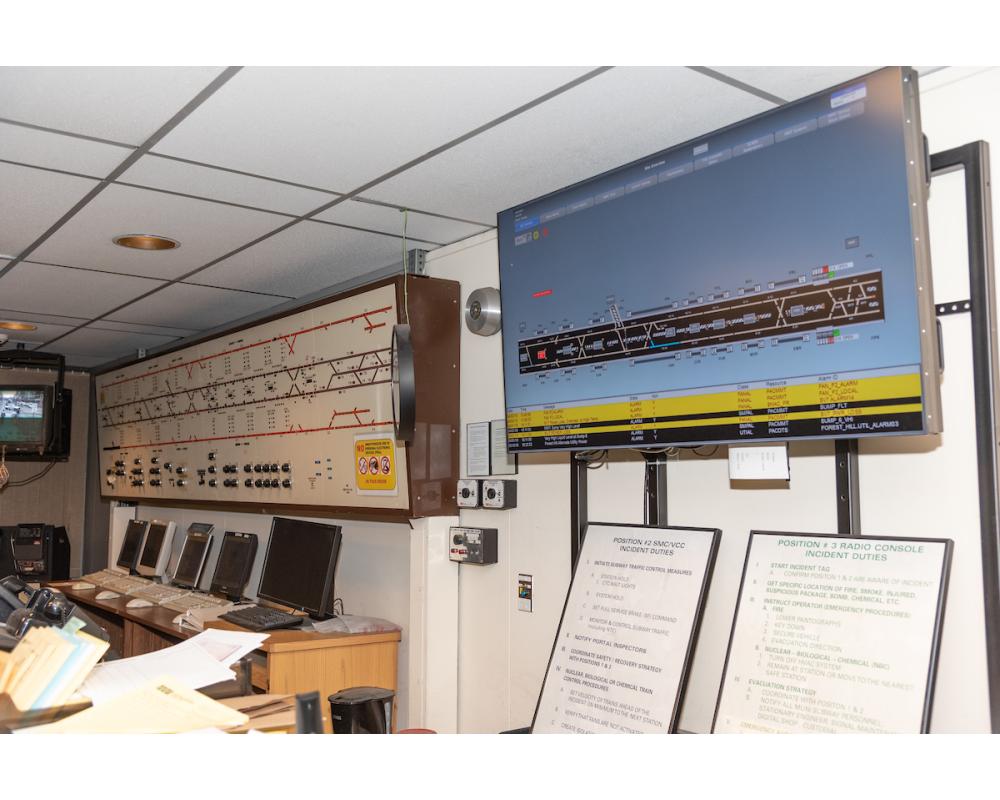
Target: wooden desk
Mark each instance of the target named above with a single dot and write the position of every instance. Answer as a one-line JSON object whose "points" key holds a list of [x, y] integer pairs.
{"points": [[289, 662]]}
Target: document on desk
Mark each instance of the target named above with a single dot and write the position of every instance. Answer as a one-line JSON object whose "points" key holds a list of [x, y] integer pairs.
{"points": [[162, 705], [227, 647], [199, 661]]}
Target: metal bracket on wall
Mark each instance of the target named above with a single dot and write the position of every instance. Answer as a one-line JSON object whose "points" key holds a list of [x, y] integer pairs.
{"points": [[656, 489], [957, 307], [848, 487], [416, 261]]}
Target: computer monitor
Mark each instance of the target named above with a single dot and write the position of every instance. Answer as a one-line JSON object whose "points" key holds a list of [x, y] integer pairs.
{"points": [[156, 550], [767, 281], [135, 534], [194, 554], [300, 564], [232, 570], [25, 418]]}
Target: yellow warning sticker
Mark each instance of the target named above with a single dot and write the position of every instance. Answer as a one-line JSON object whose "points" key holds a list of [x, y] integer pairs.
{"points": [[375, 464]]}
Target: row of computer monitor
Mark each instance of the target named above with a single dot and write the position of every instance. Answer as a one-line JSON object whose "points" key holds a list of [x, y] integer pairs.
{"points": [[298, 571]]}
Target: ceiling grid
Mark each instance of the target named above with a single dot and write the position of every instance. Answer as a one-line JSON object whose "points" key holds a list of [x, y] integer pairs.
{"points": [[251, 170]]}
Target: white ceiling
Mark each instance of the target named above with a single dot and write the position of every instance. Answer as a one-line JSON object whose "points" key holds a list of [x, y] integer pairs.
{"points": [[234, 177]]}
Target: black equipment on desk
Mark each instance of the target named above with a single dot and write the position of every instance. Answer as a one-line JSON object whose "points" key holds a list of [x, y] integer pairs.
{"points": [[135, 537], [300, 564], [260, 618], [363, 709], [40, 552], [232, 570], [23, 608]]}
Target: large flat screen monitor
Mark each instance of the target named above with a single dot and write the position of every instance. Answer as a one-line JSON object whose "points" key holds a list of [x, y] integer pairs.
{"points": [[25, 418], [194, 554], [770, 280], [135, 535], [232, 570], [300, 564]]}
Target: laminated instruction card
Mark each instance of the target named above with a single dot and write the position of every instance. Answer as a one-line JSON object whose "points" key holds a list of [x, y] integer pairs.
{"points": [[620, 659], [835, 634]]}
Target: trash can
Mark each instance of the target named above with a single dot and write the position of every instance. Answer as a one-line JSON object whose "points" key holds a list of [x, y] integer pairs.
{"points": [[362, 709]]}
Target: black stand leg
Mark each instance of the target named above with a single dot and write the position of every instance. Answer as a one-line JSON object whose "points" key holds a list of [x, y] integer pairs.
{"points": [[577, 507], [848, 495]]}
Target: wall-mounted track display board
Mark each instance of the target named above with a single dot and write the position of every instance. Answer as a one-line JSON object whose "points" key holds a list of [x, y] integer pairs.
{"points": [[770, 280], [835, 634], [295, 411], [627, 634]]}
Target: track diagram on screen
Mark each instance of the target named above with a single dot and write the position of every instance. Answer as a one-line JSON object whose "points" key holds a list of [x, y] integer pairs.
{"points": [[804, 307]]}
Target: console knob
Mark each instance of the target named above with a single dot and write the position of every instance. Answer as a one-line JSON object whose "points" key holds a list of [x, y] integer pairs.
{"points": [[182, 483], [286, 467], [212, 482], [248, 482], [287, 483]]}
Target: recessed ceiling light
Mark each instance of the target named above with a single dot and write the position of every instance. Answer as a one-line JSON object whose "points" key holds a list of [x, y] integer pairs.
{"points": [[9, 325], [145, 241]]}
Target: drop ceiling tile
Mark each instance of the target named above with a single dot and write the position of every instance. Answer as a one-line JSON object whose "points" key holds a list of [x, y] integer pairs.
{"points": [[205, 231], [339, 127], [305, 258], [615, 118], [45, 289], [44, 149], [35, 316], [791, 83], [31, 201], [85, 362], [124, 104], [390, 220], [197, 307], [132, 327], [107, 344], [177, 176], [44, 331]]}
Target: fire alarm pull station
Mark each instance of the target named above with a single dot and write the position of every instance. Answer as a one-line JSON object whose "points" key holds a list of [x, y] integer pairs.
{"points": [[473, 545]]}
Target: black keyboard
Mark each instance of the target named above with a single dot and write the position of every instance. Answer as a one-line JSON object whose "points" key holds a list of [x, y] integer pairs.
{"points": [[258, 618]]}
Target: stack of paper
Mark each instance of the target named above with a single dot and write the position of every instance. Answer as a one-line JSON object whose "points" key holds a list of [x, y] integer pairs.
{"points": [[200, 661], [48, 665], [162, 705]]}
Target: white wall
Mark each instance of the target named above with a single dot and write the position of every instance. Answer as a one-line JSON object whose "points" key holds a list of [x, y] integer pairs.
{"points": [[915, 487]]}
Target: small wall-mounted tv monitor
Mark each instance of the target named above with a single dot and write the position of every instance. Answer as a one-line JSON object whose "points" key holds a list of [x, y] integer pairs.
{"points": [[135, 535], [300, 564], [194, 554], [156, 550], [25, 418], [232, 570], [767, 281]]}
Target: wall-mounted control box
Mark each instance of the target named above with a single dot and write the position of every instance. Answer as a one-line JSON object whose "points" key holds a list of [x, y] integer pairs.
{"points": [[499, 494], [468, 493], [473, 545]]}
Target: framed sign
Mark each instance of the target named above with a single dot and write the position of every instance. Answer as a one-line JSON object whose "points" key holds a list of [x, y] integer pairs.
{"points": [[835, 634], [620, 659]]}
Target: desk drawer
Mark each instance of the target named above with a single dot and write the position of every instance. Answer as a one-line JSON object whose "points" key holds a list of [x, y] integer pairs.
{"points": [[258, 670]]}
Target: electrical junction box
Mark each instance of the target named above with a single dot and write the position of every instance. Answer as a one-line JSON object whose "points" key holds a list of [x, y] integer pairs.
{"points": [[499, 494], [473, 545], [468, 493]]}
